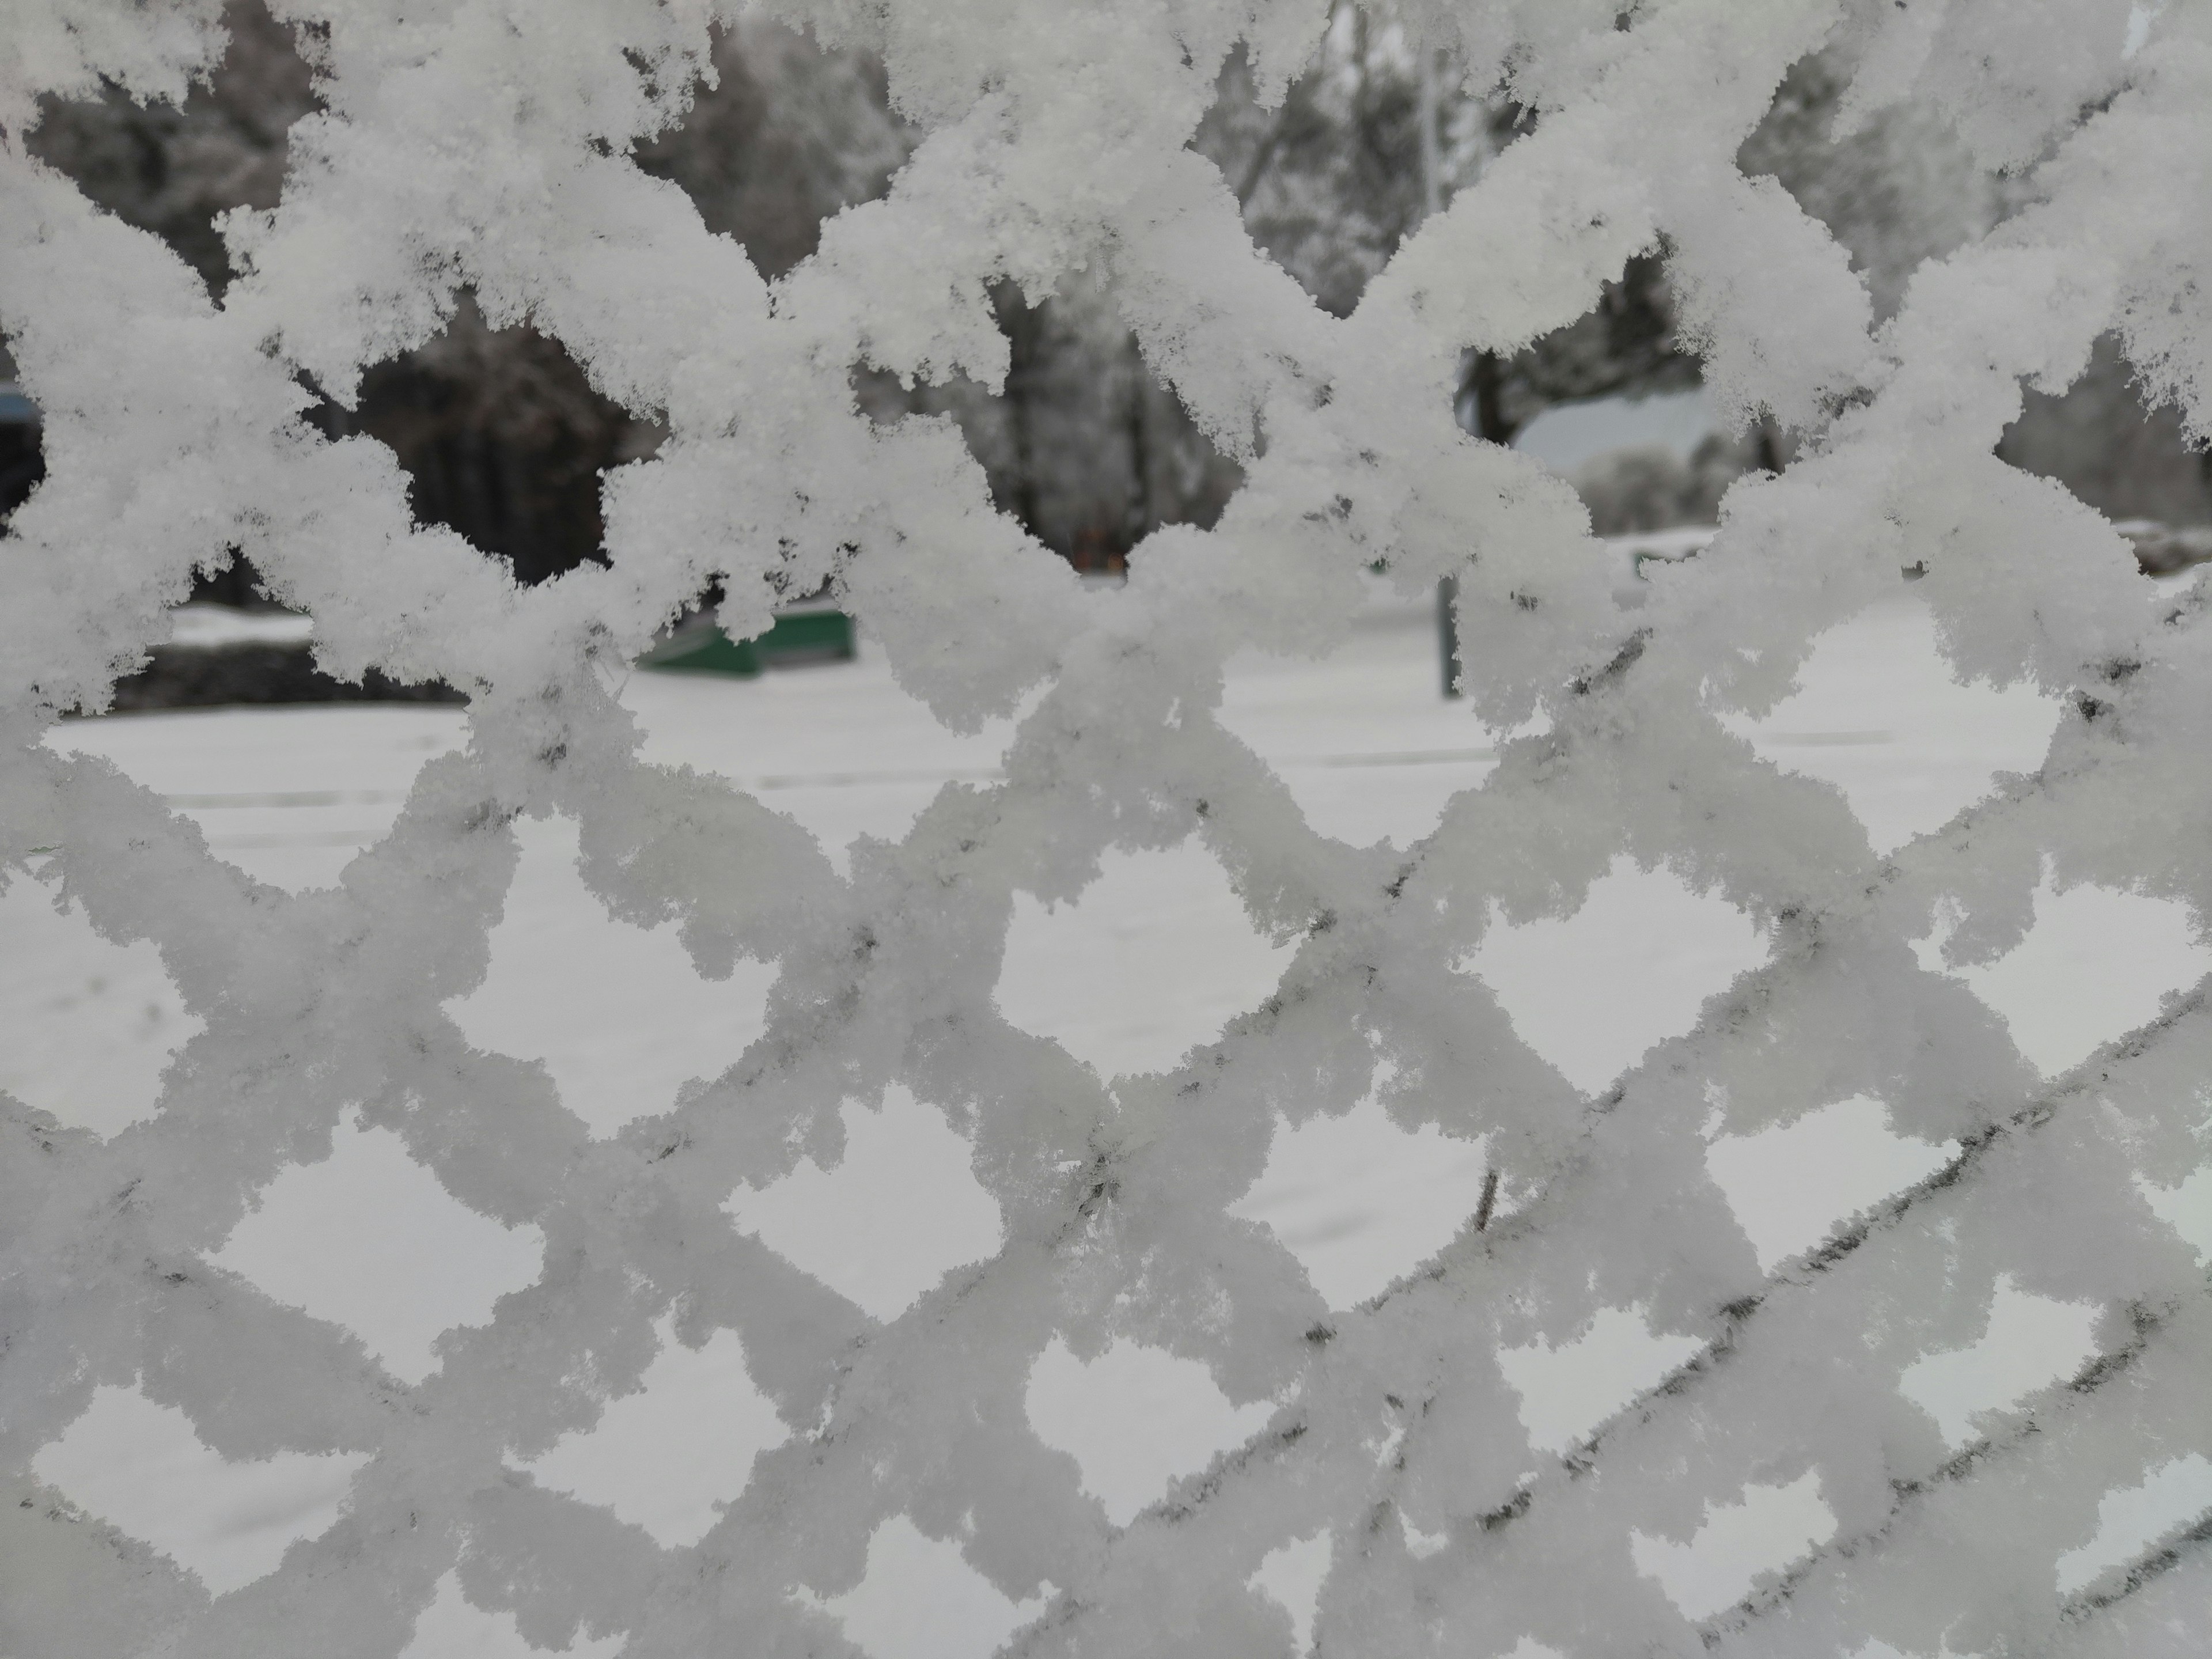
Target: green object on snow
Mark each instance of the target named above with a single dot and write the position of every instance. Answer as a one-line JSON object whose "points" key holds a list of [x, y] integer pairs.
{"points": [[704, 649], [812, 634], [816, 634]]}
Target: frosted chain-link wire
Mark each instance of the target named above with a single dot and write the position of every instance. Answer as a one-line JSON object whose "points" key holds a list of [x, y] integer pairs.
{"points": [[475, 143]]}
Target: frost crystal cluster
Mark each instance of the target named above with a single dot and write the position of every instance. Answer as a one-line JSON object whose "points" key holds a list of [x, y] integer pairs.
{"points": [[482, 147]]}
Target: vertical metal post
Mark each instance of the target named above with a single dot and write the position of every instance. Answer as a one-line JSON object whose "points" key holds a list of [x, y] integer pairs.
{"points": [[1447, 633], [1432, 161], [1431, 202]]}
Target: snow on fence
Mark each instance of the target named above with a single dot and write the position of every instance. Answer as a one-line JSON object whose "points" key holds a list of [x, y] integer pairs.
{"points": [[471, 143]]}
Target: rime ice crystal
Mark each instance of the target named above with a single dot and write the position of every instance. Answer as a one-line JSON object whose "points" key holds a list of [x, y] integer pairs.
{"points": [[476, 144]]}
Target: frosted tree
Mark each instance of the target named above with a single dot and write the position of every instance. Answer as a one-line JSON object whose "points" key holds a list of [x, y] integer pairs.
{"points": [[479, 146]]}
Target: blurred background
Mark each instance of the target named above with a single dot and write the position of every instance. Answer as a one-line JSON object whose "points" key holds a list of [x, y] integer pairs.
{"points": [[505, 439]]}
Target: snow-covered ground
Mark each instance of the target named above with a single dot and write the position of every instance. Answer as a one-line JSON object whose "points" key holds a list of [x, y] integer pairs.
{"points": [[1154, 959]]}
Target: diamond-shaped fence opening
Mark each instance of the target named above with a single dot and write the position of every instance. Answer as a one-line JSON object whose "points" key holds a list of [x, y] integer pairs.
{"points": [[1631, 966], [1361, 1202], [368, 1238], [2095, 963], [615, 1013], [1041, 1365], [2029, 1341], [452, 1627], [920, 1600], [1154, 957], [504, 439], [1292, 1577], [885, 1221], [2172, 1497], [289, 796], [1569, 1389], [1770, 1526], [669, 1457], [139, 1467], [1079, 440], [1133, 1418], [1880, 716], [97, 1022], [1791, 1183]]}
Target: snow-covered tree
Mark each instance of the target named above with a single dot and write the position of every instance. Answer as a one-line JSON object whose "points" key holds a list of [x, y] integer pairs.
{"points": [[483, 151]]}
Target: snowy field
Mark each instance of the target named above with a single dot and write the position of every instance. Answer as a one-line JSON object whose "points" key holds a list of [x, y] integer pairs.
{"points": [[1154, 958]]}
